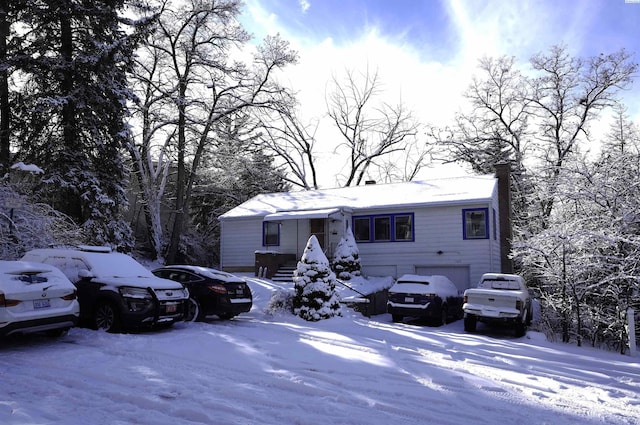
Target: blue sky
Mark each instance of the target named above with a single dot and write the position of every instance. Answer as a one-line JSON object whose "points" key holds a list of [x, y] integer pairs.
{"points": [[426, 51], [439, 29]]}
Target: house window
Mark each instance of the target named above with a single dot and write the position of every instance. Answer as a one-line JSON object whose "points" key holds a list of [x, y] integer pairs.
{"points": [[270, 233], [383, 228], [475, 223], [361, 229]]}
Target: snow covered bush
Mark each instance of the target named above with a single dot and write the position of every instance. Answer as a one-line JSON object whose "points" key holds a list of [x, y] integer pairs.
{"points": [[281, 301], [315, 285], [346, 260], [32, 225]]}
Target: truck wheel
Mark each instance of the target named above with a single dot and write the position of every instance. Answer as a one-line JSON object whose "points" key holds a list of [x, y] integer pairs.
{"points": [[521, 327], [107, 317], [470, 323], [396, 318]]}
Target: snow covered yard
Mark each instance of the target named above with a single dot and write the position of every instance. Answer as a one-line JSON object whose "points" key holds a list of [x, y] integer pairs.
{"points": [[263, 369]]}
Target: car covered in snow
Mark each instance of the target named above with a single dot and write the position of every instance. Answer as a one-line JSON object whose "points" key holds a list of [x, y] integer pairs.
{"points": [[116, 292], [36, 297], [431, 297], [211, 291]]}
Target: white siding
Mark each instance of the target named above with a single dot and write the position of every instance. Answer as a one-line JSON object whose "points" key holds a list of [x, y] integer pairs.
{"points": [[239, 240], [459, 275], [438, 243]]}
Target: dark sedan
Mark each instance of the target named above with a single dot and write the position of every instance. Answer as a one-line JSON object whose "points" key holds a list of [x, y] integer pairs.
{"points": [[211, 291]]}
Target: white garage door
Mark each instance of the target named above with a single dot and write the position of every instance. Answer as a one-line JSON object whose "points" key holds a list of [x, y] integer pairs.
{"points": [[458, 274]]}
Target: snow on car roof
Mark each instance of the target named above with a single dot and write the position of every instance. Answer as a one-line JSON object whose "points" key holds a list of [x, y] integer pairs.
{"points": [[414, 278], [102, 263], [24, 267], [412, 283]]}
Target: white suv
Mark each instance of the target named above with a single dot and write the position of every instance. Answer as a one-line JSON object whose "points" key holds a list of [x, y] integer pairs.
{"points": [[35, 298], [115, 291]]}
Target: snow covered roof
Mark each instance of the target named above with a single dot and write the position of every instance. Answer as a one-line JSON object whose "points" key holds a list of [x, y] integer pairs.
{"points": [[450, 190]]}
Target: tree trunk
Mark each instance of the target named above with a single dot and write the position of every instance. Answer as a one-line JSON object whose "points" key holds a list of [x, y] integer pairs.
{"points": [[181, 181], [71, 202], [4, 90]]}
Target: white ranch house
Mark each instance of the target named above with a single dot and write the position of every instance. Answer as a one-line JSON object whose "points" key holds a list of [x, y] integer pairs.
{"points": [[448, 226]]}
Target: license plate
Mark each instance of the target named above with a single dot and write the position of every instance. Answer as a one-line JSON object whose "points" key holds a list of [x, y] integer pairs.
{"points": [[41, 304], [171, 308], [408, 299]]}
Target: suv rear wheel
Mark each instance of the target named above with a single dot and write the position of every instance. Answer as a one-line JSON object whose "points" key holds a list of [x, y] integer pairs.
{"points": [[107, 317], [193, 313], [444, 315]]}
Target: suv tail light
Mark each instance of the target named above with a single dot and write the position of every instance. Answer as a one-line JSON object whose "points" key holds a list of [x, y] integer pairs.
{"points": [[72, 296], [519, 304], [8, 302]]}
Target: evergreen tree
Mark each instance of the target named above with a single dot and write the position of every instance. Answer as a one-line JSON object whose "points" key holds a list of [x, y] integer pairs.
{"points": [[346, 259], [315, 283], [73, 110]]}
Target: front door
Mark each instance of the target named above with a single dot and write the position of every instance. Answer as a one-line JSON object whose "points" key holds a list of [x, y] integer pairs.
{"points": [[317, 227]]}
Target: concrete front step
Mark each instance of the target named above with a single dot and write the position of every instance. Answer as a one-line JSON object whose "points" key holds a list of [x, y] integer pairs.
{"points": [[283, 275]]}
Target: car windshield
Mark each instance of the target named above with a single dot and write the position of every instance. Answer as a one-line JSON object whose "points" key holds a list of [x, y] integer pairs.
{"points": [[117, 265]]}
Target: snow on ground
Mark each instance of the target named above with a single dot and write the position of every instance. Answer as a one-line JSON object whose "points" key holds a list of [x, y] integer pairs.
{"points": [[280, 369]]}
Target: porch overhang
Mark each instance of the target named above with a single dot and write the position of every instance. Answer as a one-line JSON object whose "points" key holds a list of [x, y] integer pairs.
{"points": [[302, 214]]}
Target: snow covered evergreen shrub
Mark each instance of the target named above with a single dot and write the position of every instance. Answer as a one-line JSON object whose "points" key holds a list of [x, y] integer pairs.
{"points": [[346, 260], [314, 282], [281, 301]]}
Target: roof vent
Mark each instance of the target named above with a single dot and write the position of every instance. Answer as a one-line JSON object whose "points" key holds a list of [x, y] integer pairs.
{"points": [[367, 182]]}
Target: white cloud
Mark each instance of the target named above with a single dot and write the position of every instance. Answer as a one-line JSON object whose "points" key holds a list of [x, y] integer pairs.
{"points": [[520, 28], [431, 88], [304, 5]]}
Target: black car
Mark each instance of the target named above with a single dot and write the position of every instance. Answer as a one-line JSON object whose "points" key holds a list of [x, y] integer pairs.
{"points": [[212, 292]]}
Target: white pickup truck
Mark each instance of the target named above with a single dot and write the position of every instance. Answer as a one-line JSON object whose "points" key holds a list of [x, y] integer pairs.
{"points": [[499, 298]]}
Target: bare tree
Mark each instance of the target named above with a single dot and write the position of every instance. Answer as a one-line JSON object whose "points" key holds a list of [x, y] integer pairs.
{"points": [[370, 132], [496, 127], [291, 142], [535, 122], [197, 46], [567, 96]]}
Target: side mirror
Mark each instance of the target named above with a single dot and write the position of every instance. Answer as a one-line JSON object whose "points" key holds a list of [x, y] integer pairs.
{"points": [[86, 274]]}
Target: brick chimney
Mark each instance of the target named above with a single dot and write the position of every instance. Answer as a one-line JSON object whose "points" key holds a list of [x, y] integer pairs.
{"points": [[503, 174]]}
